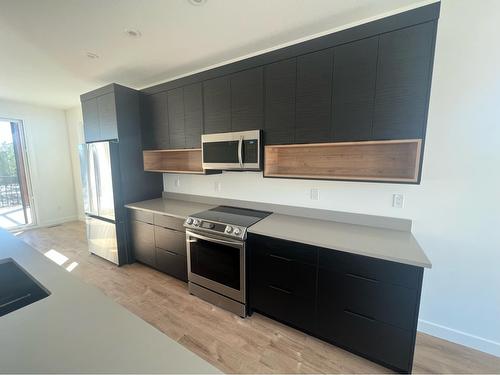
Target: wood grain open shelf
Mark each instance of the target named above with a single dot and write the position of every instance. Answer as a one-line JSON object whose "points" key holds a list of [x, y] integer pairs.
{"points": [[391, 161], [174, 161]]}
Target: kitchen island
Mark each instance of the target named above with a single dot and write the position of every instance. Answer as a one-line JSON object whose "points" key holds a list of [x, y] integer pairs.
{"points": [[77, 329]]}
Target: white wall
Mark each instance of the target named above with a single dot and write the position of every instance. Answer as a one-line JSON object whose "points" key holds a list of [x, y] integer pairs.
{"points": [[74, 122], [49, 160], [456, 209]]}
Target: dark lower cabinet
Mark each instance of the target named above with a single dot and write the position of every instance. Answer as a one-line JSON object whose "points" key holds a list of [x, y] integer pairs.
{"points": [[161, 245], [143, 242], [365, 305], [172, 263]]}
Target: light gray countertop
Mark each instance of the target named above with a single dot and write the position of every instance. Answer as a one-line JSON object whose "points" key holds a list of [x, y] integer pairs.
{"points": [[388, 244], [171, 207], [77, 329]]}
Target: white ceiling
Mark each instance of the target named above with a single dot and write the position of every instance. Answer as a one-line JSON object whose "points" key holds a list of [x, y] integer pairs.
{"points": [[44, 42]]}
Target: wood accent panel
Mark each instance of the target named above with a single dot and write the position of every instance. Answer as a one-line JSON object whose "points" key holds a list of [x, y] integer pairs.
{"points": [[392, 161], [177, 161]]}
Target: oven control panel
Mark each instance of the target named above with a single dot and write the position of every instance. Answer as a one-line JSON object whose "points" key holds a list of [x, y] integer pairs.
{"points": [[214, 227]]}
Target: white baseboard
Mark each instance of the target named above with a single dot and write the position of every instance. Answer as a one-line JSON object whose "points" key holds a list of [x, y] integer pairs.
{"points": [[57, 221], [459, 337]]}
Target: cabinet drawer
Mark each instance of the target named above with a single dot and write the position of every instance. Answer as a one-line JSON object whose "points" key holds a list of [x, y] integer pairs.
{"points": [[169, 222], [283, 305], [382, 302], [381, 342], [139, 215], [171, 263], [171, 240], [371, 268], [286, 250], [296, 278]]}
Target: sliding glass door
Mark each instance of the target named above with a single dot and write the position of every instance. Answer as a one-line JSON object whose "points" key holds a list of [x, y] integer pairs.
{"points": [[16, 209]]}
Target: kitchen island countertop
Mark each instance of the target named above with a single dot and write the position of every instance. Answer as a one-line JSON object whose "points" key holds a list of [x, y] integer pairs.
{"points": [[77, 329]]}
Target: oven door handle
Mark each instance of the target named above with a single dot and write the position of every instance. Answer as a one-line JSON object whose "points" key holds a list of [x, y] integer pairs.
{"points": [[240, 148], [210, 239]]}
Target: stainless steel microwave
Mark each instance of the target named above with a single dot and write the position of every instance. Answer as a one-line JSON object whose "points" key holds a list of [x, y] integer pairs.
{"points": [[235, 151]]}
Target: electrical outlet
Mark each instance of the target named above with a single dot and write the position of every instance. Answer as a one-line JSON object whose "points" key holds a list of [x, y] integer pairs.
{"points": [[314, 194], [398, 200], [218, 186], [177, 182]]}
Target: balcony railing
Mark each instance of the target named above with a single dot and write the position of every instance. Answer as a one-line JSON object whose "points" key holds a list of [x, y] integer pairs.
{"points": [[10, 192]]}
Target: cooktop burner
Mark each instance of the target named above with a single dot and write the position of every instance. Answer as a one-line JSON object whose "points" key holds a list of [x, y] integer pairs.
{"points": [[226, 220]]}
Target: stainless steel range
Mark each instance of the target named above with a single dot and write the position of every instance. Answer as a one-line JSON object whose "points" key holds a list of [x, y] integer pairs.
{"points": [[216, 252]]}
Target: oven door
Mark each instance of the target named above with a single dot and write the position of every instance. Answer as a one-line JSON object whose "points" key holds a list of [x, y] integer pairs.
{"points": [[232, 151], [217, 264]]}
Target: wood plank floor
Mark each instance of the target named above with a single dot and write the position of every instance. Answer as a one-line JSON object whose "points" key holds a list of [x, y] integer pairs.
{"points": [[234, 345]]}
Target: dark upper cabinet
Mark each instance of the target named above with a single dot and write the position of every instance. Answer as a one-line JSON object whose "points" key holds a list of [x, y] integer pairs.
{"points": [[354, 77], [91, 120], [175, 109], [247, 103], [217, 105], [279, 122], [155, 132], [314, 97], [403, 82], [193, 111], [106, 105], [99, 117]]}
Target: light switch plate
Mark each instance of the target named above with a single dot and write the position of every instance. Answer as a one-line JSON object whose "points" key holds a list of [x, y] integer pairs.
{"points": [[398, 200], [177, 182], [218, 186]]}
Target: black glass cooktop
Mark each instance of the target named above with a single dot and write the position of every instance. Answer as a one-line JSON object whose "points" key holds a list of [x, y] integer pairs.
{"points": [[233, 215]]}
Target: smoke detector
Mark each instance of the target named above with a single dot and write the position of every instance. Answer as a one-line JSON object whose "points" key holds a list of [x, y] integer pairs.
{"points": [[92, 55], [197, 2]]}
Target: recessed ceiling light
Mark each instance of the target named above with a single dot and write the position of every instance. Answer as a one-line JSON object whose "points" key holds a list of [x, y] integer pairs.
{"points": [[92, 55], [197, 2], [133, 33]]}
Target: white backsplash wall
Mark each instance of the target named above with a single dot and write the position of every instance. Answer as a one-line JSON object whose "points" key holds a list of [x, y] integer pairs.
{"points": [[456, 209]]}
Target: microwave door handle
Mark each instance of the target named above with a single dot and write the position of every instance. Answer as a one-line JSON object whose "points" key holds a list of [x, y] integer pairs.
{"points": [[240, 149]]}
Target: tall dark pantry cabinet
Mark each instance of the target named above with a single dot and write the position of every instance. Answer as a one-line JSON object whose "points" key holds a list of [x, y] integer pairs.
{"points": [[112, 169]]}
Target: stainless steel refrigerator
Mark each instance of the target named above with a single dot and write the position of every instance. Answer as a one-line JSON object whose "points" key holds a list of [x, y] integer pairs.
{"points": [[99, 200]]}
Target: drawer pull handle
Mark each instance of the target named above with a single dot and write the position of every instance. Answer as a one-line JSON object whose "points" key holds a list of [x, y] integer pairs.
{"points": [[279, 289], [347, 311], [280, 258], [362, 277], [169, 252]]}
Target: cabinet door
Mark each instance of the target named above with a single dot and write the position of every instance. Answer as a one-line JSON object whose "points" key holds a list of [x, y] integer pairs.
{"points": [[155, 133], [247, 104], [314, 97], [354, 77], [193, 110], [171, 240], [143, 242], [217, 105], [108, 125], [403, 79], [90, 120], [280, 80], [175, 108]]}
